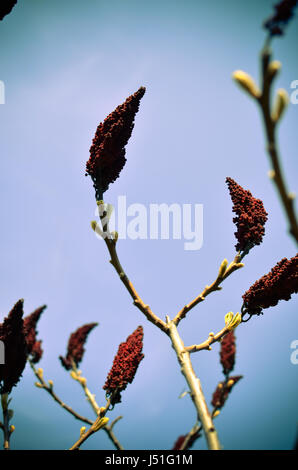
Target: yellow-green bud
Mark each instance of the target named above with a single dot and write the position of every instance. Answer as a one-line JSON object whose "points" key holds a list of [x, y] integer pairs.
{"points": [[235, 322], [274, 68], [281, 102], [93, 224], [228, 318], [216, 413], [82, 430], [247, 83], [38, 385], [223, 268], [100, 424]]}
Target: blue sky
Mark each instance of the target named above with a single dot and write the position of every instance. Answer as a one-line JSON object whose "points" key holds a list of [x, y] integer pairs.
{"points": [[66, 66]]}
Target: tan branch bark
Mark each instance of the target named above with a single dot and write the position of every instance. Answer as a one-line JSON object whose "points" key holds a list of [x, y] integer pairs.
{"points": [[50, 389], [212, 338], [138, 302], [277, 175], [170, 328], [91, 399], [94, 428], [5, 425], [222, 275], [194, 384]]}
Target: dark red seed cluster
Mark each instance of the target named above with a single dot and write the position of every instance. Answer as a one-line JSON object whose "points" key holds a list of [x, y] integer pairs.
{"points": [[75, 347], [228, 352], [279, 284], [15, 348], [284, 11], [33, 346], [6, 6], [125, 365], [107, 152], [223, 390], [180, 441], [250, 217]]}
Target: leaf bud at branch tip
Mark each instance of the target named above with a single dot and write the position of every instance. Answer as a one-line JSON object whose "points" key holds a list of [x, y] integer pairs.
{"points": [[247, 83], [216, 413], [82, 430], [228, 318], [274, 68], [223, 268], [38, 385], [235, 322]]}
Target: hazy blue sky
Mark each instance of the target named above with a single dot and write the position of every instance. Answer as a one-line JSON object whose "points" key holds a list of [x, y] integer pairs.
{"points": [[66, 65]]}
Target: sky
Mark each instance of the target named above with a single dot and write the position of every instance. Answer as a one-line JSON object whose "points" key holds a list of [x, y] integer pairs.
{"points": [[66, 66]]}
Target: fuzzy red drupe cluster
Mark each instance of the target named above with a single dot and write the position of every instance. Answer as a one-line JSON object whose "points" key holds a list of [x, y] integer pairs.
{"points": [[107, 152], [33, 345], [75, 347], [250, 216], [125, 365], [279, 284], [228, 352], [13, 336]]}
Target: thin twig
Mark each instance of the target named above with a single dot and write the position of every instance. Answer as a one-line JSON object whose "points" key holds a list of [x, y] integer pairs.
{"points": [[138, 302], [270, 132], [212, 338], [91, 399], [191, 437], [50, 389], [6, 418], [222, 275], [109, 430], [76, 375], [170, 328], [95, 426]]}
